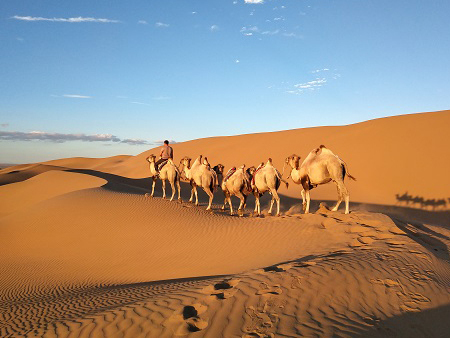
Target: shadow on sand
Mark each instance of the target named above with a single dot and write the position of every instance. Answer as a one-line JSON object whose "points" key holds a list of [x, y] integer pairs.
{"points": [[427, 323]]}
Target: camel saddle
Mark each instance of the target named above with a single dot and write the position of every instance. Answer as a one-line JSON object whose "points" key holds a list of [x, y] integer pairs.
{"points": [[162, 164], [229, 173], [262, 165]]}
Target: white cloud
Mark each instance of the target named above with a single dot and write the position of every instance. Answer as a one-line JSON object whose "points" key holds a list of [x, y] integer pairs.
{"points": [[142, 22], [254, 1], [237, 61], [214, 28], [249, 31], [75, 96], [71, 20], [162, 25], [319, 70]]}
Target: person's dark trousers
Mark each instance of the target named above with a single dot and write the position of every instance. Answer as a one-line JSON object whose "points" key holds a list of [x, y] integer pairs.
{"points": [[161, 160]]}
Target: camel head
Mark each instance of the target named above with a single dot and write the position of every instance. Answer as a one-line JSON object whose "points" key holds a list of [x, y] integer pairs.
{"points": [[186, 162], [219, 169], [251, 170], [293, 161], [151, 158]]}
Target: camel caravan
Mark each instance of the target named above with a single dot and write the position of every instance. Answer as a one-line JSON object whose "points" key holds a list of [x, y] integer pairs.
{"points": [[321, 166]]}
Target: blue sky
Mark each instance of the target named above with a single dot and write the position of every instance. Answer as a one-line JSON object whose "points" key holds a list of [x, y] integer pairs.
{"points": [[101, 78]]}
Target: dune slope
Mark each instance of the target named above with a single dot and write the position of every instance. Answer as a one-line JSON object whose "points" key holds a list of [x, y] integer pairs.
{"points": [[84, 252]]}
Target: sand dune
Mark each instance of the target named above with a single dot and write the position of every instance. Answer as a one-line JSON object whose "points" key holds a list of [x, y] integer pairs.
{"points": [[84, 253]]}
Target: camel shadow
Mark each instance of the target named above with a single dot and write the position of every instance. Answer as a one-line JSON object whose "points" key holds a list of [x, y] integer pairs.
{"points": [[421, 202]]}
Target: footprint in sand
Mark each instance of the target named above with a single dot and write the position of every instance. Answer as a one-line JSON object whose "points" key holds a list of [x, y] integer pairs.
{"points": [[266, 289], [222, 290], [261, 323], [191, 320], [278, 268]]}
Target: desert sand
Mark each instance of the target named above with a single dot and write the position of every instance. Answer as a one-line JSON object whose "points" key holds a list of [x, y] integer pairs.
{"points": [[84, 252]]}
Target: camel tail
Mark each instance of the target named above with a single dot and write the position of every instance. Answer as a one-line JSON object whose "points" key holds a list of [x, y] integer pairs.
{"points": [[344, 165], [280, 177]]}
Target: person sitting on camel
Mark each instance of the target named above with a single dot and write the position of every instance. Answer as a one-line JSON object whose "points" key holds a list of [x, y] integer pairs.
{"points": [[164, 155]]}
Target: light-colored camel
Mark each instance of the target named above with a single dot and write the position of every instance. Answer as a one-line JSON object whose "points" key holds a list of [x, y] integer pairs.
{"points": [[168, 172], [266, 178], [239, 185], [201, 175], [320, 167]]}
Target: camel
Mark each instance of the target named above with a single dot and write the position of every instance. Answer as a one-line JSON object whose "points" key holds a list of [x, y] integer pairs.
{"points": [[201, 175], [237, 184], [319, 167], [266, 178], [168, 172]]}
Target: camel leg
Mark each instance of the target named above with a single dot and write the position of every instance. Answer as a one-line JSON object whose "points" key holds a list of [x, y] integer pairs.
{"points": [[344, 195], [153, 186], [277, 199], [196, 194], [224, 200], [211, 195], [242, 197], [172, 185], [257, 206], [192, 192], [303, 200], [164, 188], [231, 205], [308, 201], [339, 192], [272, 201], [179, 191]]}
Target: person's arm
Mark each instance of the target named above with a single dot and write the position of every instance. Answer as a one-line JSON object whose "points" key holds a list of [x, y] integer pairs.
{"points": [[161, 152]]}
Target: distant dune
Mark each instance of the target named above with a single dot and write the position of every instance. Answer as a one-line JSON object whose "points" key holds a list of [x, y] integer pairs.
{"points": [[83, 251]]}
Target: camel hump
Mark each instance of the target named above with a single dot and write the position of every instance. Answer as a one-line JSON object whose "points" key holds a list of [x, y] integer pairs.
{"points": [[269, 161]]}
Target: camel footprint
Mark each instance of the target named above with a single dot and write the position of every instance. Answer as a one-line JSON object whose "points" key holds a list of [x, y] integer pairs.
{"points": [[222, 290]]}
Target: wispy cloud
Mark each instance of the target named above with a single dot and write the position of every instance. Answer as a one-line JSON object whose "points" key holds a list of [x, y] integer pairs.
{"points": [[141, 103], [162, 25], [310, 85], [134, 141], [70, 20], [76, 96], [142, 22], [55, 137], [319, 70], [254, 1], [4, 125], [161, 98], [214, 28], [61, 138]]}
